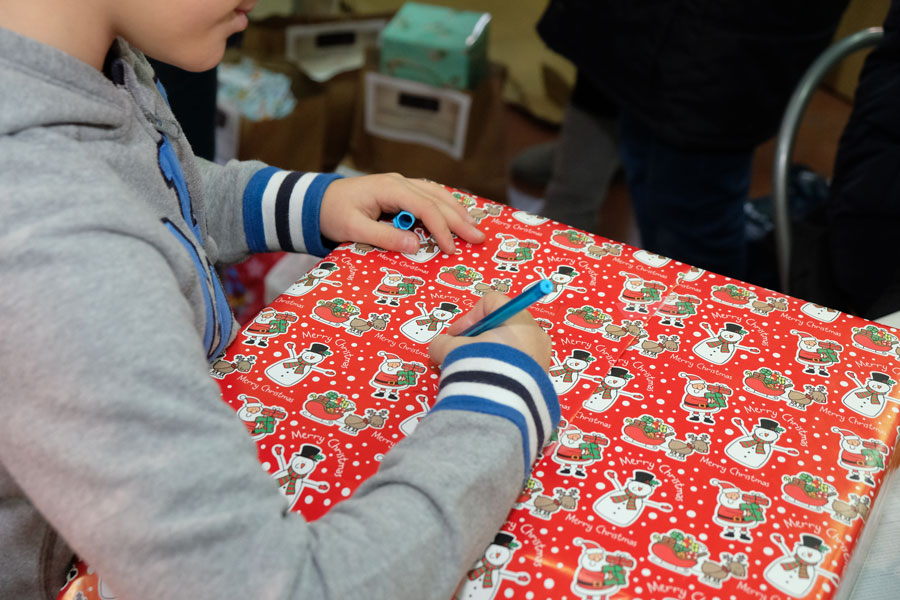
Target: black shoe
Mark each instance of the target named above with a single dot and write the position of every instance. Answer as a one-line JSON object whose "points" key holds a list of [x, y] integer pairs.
{"points": [[695, 418], [665, 322], [249, 342], [869, 481], [564, 471], [378, 394], [728, 534], [824, 373], [394, 303], [709, 420], [393, 397], [809, 370], [746, 537], [262, 344], [853, 476], [679, 323], [580, 473]]}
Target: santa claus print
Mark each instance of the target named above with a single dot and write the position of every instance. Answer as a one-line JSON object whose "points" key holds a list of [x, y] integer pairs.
{"points": [[293, 370], [561, 278], [754, 449], [816, 355], [737, 511], [577, 450], [600, 574], [676, 308], [394, 286], [429, 323], [720, 347], [485, 579], [862, 458], [624, 504], [393, 375], [638, 294], [564, 375], [869, 399], [259, 419], [293, 475], [702, 400], [266, 325], [609, 389], [318, 274], [796, 571], [513, 252]]}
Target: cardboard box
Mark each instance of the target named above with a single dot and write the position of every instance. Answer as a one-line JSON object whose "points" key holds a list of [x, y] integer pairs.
{"points": [[436, 45]]}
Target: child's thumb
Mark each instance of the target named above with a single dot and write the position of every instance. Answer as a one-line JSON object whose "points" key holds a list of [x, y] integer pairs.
{"points": [[442, 345]]}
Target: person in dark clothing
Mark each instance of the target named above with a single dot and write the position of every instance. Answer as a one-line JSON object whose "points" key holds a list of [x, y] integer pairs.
{"points": [[864, 209], [699, 84]]}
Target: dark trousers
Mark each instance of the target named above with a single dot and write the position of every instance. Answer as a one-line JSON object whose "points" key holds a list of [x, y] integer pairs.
{"points": [[689, 205]]}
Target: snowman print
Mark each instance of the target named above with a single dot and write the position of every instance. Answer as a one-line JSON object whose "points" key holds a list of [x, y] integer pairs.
{"points": [[529, 218], [624, 504], [483, 581], [318, 274], [610, 388], [650, 259], [819, 312], [795, 573], [565, 375], [869, 399], [692, 274], [600, 574], [753, 450], [560, 279], [292, 475], [293, 370], [429, 324], [720, 347]]}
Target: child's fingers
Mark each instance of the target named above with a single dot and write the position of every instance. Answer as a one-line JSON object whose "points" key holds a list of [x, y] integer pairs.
{"points": [[488, 304], [385, 235]]}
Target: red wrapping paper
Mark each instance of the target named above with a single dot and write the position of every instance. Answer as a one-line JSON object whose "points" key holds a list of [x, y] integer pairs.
{"points": [[719, 440]]}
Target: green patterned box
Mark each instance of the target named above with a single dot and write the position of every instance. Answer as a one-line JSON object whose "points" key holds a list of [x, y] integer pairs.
{"points": [[436, 45]]}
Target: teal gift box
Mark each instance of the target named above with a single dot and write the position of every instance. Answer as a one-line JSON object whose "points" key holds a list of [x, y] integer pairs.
{"points": [[436, 45]]}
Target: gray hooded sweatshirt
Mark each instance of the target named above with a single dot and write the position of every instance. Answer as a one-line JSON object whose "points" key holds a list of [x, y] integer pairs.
{"points": [[114, 442]]}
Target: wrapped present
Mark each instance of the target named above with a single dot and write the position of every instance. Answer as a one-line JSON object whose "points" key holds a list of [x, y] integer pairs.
{"points": [[772, 467]]}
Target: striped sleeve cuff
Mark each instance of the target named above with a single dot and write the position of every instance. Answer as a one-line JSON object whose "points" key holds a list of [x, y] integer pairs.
{"points": [[281, 211], [499, 380]]}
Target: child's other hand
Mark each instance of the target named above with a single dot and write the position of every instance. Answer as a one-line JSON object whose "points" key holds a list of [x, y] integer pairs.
{"points": [[351, 208], [521, 331]]}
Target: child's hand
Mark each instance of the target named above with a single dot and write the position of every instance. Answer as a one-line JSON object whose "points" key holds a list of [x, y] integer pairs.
{"points": [[520, 331], [351, 207]]}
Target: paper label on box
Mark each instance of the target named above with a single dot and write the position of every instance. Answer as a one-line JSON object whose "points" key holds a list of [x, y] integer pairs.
{"points": [[326, 49], [407, 111]]}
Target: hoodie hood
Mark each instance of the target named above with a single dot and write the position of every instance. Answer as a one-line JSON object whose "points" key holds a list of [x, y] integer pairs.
{"points": [[45, 87]]}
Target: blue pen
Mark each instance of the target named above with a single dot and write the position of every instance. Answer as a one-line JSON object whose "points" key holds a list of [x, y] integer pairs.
{"points": [[404, 220], [519, 303]]}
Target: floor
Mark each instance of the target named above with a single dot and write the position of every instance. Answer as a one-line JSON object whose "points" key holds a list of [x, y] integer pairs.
{"points": [[815, 147]]}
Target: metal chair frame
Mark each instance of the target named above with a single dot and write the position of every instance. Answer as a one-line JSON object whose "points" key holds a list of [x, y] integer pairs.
{"points": [[788, 132]]}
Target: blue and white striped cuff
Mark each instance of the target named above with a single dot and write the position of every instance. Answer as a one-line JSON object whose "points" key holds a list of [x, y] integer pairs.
{"points": [[281, 211], [499, 380]]}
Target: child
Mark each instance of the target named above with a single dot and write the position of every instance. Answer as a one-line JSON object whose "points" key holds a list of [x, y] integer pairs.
{"points": [[114, 443]]}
